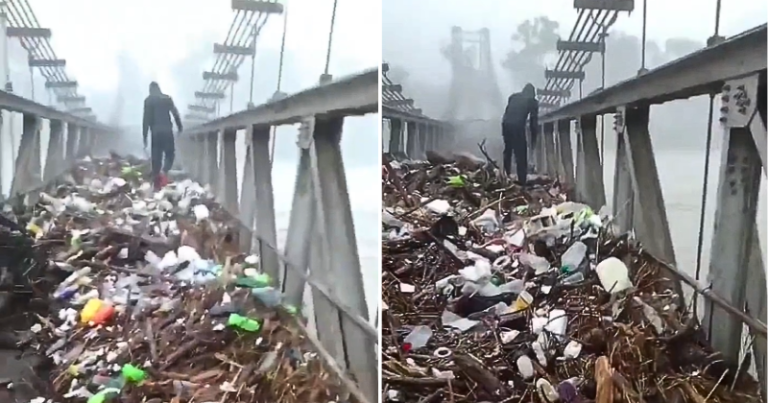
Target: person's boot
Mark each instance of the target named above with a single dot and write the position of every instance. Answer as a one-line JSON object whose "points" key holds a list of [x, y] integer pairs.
{"points": [[163, 180], [156, 183]]}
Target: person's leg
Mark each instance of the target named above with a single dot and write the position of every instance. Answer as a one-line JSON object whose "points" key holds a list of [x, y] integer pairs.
{"points": [[521, 156], [156, 155], [508, 146], [170, 153]]}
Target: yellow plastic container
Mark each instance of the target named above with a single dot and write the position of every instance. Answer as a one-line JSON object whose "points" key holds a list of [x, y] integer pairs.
{"points": [[522, 302], [90, 309]]}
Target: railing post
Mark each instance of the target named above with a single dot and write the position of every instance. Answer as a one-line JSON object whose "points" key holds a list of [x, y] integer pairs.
{"points": [[432, 141], [26, 174], [84, 142], [227, 180], [301, 228], [421, 141], [73, 134], [247, 196], [734, 222], [411, 140], [54, 165], [340, 260], [566, 152], [197, 156], [539, 160], [589, 170], [210, 158], [548, 140], [265, 201], [623, 194], [650, 222], [395, 136]]}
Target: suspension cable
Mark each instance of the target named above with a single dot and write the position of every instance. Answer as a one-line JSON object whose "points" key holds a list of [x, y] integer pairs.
{"points": [[705, 185], [330, 37], [645, 21], [32, 81], [604, 41], [273, 135], [256, 32], [282, 50]]}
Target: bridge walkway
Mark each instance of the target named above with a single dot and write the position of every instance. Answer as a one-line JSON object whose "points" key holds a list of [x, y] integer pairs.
{"points": [[319, 268], [732, 71]]}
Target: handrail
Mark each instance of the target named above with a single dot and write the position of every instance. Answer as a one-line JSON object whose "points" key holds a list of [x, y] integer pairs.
{"points": [[389, 112], [320, 224], [357, 94], [16, 103], [701, 72]]}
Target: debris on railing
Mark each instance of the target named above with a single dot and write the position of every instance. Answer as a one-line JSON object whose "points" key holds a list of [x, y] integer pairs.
{"points": [[148, 298], [492, 292]]}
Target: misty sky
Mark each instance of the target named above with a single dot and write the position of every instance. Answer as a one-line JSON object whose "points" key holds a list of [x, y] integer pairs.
{"points": [[159, 37], [413, 31]]}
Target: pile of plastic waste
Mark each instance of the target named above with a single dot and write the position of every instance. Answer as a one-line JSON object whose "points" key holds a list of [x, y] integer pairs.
{"points": [[144, 296], [492, 292]]}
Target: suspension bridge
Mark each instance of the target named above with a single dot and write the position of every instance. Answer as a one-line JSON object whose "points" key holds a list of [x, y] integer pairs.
{"points": [[321, 231], [731, 71]]}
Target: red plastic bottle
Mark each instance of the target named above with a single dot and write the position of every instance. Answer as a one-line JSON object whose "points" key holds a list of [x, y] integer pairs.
{"points": [[103, 315]]}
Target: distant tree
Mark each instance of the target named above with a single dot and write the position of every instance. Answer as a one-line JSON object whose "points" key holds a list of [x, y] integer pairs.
{"points": [[535, 40]]}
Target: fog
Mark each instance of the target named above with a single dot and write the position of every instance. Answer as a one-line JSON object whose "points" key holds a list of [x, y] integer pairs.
{"points": [[522, 41]]}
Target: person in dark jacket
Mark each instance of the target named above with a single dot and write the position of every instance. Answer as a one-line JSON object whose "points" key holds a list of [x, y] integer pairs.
{"points": [[521, 107], [158, 109]]}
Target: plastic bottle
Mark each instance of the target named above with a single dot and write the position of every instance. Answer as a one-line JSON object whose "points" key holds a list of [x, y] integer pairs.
{"points": [[573, 257], [419, 337], [103, 315], [75, 276], [90, 309], [537, 263], [574, 278], [613, 275]]}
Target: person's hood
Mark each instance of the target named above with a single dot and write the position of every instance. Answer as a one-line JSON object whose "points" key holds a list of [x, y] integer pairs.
{"points": [[529, 91], [154, 89]]}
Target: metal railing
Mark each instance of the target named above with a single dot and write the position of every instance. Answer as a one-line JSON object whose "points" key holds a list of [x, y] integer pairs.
{"points": [[411, 133], [321, 250], [69, 137], [736, 70]]}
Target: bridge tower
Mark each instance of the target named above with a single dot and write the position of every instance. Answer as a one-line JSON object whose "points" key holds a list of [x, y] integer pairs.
{"points": [[474, 91]]}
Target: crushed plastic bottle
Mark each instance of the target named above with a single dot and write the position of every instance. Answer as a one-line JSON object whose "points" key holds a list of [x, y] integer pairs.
{"points": [[418, 338], [537, 263], [488, 221], [573, 258], [268, 296], [243, 323], [132, 373]]}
